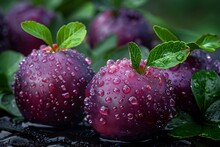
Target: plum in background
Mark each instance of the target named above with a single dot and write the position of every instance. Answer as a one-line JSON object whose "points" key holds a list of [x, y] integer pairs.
{"points": [[19, 40], [127, 24], [3, 33], [180, 77]]}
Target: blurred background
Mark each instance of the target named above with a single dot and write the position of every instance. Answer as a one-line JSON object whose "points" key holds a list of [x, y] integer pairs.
{"points": [[187, 19], [194, 17]]}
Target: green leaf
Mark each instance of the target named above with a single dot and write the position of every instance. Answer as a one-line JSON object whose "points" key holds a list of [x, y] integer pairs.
{"points": [[168, 54], [71, 35], [135, 55], [211, 131], [164, 34], [38, 30], [206, 88], [186, 130], [209, 42], [8, 104], [9, 61], [213, 112], [193, 46]]}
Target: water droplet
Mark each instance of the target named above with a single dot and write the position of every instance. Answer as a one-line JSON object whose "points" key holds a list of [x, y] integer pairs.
{"points": [[66, 95], [149, 97], [112, 69], [180, 57], [73, 74], [102, 121], [75, 92], [104, 110], [101, 93], [133, 100], [86, 101], [117, 116], [130, 116], [172, 102], [126, 89], [121, 101], [108, 99], [63, 87], [116, 90], [51, 87], [21, 94], [88, 60], [129, 74], [116, 81], [100, 83]]}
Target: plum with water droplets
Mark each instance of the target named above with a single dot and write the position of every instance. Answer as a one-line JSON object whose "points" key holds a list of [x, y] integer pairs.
{"points": [[180, 77], [49, 86], [124, 105], [128, 25], [22, 12]]}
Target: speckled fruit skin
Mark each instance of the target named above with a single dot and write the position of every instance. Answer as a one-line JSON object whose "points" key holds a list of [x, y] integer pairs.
{"points": [[180, 77], [121, 104], [19, 40], [49, 87], [3, 34], [128, 25]]}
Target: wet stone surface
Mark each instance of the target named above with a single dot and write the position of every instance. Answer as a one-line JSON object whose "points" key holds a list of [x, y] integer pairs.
{"points": [[17, 133]]}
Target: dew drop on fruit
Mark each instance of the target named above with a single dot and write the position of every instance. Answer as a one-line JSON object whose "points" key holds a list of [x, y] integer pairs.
{"points": [[116, 81], [66, 95], [63, 87], [120, 101], [86, 101], [130, 116], [104, 110], [172, 102], [51, 87], [112, 69], [117, 116], [116, 90], [75, 92], [133, 100], [108, 99], [88, 60], [101, 93], [126, 89], [21, 94], [102, 121], [100, 83], [149, 97], [129, 74]]}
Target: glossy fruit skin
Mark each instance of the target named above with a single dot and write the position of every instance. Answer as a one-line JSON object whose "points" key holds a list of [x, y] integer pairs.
{"points": [[19, 40], [121, 104], [49, 87], [180, 77], [3, 34], [128, 25]]}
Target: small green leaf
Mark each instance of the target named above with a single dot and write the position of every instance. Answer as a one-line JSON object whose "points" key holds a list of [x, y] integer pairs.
{"points": [[164, 34], [206, 88], [38, 30], [135, 55], [209, 42], [8, 104], [213, 112], [168, 54], [71, 35]]}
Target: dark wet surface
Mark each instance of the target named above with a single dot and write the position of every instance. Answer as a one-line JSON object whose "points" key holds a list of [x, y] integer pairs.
{"points": [[15, 132]]}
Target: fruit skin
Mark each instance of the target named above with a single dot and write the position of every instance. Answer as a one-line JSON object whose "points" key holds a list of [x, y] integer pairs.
{"points": [[49, 87], [180, 77], [3, 33], [127, 24], [19, 40], [121, 104]]}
